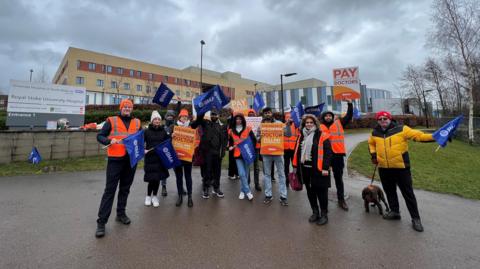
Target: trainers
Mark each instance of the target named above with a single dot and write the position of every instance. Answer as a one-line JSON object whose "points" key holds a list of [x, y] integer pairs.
{"points": [[283, 201], [100, 232], [241, 196], [148, 200], [232, 178], [417, 225], [205, 194], [155, 201], [322, 220], [218, 192], [267, 200], [164, 191], [250, 196], [190, 201], [392, 216], [123, 219]]}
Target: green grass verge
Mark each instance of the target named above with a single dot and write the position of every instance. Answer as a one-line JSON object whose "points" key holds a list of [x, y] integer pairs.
{"points": [[66, 165], [454, 169]]}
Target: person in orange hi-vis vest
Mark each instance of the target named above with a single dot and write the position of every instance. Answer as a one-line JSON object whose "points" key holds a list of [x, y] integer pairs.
{"points": [[334, 127], [291, 133], [311, 162], [119, 171]]}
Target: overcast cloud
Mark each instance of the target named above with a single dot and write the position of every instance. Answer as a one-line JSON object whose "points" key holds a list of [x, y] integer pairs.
{"points": [[259, 39]]}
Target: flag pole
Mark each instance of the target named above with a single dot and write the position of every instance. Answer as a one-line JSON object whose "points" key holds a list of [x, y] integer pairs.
{"points": [[437, 148]]}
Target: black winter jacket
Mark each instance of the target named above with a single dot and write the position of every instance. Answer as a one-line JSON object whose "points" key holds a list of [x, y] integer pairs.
{"points": [[154, 169], [214, 136]]}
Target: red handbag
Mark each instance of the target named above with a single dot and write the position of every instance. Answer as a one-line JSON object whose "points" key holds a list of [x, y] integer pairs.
{"points": [[294, 181]]}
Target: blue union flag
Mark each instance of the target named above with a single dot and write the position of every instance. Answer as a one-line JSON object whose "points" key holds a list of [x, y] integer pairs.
{"points": [[214, 98], [135, 147], [163, 96], [167, 154], [315, 110], [297, 114], [258, 102], [34, 156], [247, 150], [446, 131]]}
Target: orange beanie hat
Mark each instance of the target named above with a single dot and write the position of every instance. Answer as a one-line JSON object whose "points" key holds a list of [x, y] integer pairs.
{"points": [[126, 102], [183, 112]]}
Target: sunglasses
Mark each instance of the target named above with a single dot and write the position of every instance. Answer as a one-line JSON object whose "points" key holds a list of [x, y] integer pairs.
{"points": [[309, 122], [383, 119]]}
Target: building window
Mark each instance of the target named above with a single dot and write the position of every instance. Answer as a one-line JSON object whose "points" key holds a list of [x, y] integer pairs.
{"points": [[113, 84], [177, 92], [132, 72], [78, 64], [150, 76], [119, 71], [126, 86], [148, 89], [80, 80], [139, 88], [187, 82], [187, 94], [109, 69], [100, 82], [91, 66], [139, 74], [165, 78], [103, 68], [175, 80]]}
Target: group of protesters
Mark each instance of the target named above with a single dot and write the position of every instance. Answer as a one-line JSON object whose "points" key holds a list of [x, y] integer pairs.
{"points": [[315, 149]]}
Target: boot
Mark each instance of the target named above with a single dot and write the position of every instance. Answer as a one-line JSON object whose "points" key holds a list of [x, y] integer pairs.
{"points": [[323, 219], [100, 232], [343, 205], [392, 215], [315, 216], [179, 200], [190, 201], [417, 225]]}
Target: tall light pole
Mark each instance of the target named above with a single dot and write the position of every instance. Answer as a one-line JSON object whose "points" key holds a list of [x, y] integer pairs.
{"points": [[426, 106], [201, 65], [281, 87], [31, 71]]}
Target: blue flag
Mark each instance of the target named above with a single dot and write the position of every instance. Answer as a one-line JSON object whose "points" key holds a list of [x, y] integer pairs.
{"points": [[34, 156], [258, 102], [247, 150], [315, 110], [446, 131], [356, 113], [297, 114], [135, 146], [214, 98], [163, 96], [167, 154]]}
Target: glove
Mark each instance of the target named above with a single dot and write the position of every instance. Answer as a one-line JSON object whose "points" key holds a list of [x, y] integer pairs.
{"points": [[450, 139]]}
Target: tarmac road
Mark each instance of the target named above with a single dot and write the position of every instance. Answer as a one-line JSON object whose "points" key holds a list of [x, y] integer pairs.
{"points": [[48, 221]]}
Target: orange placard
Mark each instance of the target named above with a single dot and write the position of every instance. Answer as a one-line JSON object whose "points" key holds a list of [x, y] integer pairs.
{"points": [[271, 138], [184, 142]]}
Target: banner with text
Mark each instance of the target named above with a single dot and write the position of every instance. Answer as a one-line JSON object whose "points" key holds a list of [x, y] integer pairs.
{"points": [[184, 142], [346, 83], [271, 138]]}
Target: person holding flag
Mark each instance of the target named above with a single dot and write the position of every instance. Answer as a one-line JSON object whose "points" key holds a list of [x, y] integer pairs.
{"points": [[311, 162], [334, 127], [388, 146], [119, 170], [289, 139], [256, 167], [155, 172], [237, 133]]}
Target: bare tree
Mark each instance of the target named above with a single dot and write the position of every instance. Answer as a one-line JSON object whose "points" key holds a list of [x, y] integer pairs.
{"points": [[434, 75], [456, 31], [414, 81]]}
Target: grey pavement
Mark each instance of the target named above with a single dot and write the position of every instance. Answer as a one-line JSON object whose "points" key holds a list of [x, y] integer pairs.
{"points": [[48, 221]]}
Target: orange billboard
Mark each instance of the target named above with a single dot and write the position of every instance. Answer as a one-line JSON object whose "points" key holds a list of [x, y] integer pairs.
{"points": [[346, 83], [271, 138], [184, 142]]}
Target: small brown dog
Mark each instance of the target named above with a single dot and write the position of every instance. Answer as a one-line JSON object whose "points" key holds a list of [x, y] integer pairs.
{"points": [[374, 194]]}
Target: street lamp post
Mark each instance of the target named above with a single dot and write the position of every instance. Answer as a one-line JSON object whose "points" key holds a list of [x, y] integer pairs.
{"points": [[201, 65], [426, 106], [281, 87], [31, 71]]}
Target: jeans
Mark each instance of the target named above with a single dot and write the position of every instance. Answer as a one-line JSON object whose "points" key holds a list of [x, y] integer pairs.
{"points": [[267, 180], [243, 171]]}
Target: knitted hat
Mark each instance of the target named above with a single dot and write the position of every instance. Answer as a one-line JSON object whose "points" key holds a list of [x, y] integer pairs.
{"points": [[155, 115], [126, 102], [383, 114], [183, 112]]}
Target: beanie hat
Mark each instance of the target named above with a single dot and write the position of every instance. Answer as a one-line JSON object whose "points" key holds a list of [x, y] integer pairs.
{"points": [[383, 114], [170, 113], [183, 112], [126, 102], [155, 115]]}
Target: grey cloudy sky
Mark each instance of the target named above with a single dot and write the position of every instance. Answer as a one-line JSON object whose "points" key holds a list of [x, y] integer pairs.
{"points": [[259, 39]]}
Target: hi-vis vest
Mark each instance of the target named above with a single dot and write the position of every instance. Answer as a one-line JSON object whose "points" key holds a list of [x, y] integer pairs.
{"points": [[119, 131], [337, 137], [324, 136], [238, 139], [289, 141]]}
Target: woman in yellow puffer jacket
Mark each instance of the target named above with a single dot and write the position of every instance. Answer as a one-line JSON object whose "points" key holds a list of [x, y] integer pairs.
{"points": [[388, 145]]}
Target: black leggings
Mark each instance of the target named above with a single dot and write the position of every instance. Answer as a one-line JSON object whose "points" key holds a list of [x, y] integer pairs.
{"points": [[153, 187], [314, 190]]}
